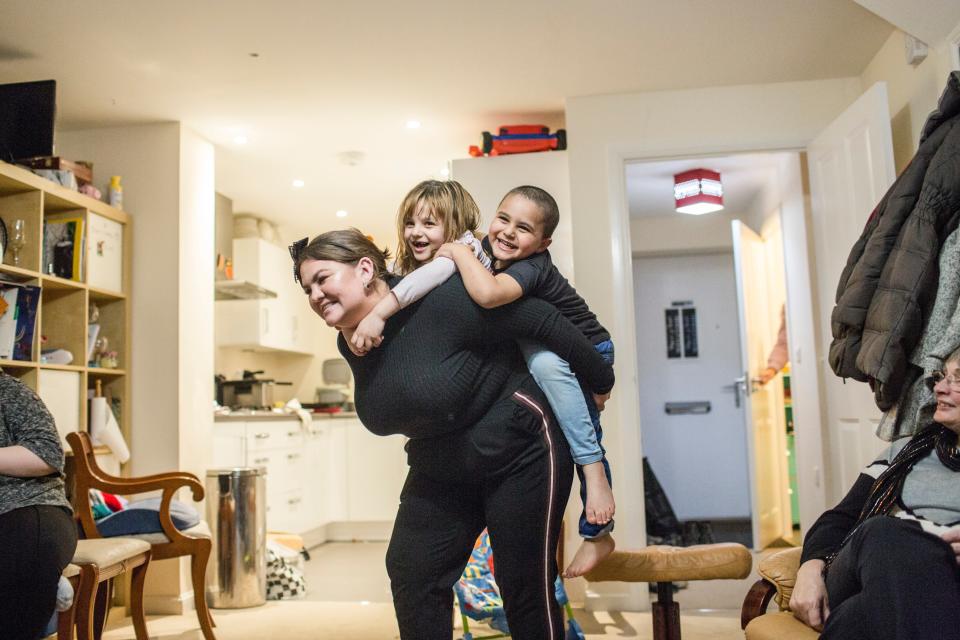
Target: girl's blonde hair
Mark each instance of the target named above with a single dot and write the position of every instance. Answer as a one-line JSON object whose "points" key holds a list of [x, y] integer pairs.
{"points": [[448, 202]]}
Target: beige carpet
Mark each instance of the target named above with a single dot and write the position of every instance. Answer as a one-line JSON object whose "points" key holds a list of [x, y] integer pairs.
{"points": [[294, 620]]}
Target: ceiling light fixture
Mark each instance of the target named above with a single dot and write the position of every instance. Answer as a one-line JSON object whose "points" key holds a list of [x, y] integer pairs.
{"points": [[297, 184], [413, 124], [445, 172], [342, 214], [698, 191], [240, 140]]}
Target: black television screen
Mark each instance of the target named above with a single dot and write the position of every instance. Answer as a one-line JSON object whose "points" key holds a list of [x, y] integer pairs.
{"points": [[27, 113]]}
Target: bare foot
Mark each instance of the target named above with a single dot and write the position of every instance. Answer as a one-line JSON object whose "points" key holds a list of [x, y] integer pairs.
{"points": [[600, 506], [591, 552]]}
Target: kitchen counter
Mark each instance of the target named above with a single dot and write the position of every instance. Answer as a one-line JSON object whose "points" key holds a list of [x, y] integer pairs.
{"points": [[257, 416]]}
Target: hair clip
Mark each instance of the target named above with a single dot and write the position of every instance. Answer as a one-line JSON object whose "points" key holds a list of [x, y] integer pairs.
{"points": [[295, 250]]}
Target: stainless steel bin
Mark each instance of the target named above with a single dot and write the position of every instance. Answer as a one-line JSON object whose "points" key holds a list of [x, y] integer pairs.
{"points": [[237, 513]]}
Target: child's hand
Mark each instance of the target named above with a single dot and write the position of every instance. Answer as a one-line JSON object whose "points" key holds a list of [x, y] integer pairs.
{"points": [[601, 400], [348, 337], [368, 334]]}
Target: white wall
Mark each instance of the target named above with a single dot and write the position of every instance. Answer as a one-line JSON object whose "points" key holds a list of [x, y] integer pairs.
{"points": [[168, 190], [678, 233], [604, 132], [912, 91]]}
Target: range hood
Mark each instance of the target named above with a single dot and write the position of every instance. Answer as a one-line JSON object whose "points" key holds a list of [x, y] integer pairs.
{"points": [[240, 290]]}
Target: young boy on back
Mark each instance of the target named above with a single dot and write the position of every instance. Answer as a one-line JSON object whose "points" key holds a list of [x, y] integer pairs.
{"points": [[517, 240]]}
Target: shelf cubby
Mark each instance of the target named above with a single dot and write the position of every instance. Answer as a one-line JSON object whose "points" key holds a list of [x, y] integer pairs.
{"points": [[64, 305]]}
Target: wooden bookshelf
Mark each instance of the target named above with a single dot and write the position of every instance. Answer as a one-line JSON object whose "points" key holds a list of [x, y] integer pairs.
{"points": [[65, 304]]}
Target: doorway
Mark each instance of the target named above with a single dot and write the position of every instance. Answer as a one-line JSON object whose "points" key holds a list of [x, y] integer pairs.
{"points": [[717, 439]]}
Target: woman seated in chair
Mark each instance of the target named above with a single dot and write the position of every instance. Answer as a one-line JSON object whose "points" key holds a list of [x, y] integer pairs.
{"points": [[885, 562], [37, 532]]}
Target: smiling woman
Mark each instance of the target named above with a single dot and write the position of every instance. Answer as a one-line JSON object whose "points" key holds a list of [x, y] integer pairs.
{"points": [[484, 448], [885, 562]]}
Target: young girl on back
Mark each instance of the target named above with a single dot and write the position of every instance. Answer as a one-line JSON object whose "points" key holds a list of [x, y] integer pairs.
{"points": [[433, 213]]}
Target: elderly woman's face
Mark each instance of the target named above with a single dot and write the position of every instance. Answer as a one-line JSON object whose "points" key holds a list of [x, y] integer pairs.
{"points": [[947, 392], [335, 290]]}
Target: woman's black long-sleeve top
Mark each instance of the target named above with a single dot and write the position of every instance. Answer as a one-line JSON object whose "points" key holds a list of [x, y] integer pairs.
{"points": [[445, 360]]}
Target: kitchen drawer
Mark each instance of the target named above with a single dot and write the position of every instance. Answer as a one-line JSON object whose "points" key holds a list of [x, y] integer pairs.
{"points": [[288, 512], [264, 435]]}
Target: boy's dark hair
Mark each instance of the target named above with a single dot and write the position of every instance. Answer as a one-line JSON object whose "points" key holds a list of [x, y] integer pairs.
{"points": [[544, 201]]}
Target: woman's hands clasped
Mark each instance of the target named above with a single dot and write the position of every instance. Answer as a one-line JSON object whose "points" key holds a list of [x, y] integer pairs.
{"points": [[952, 537], [809, 599]]}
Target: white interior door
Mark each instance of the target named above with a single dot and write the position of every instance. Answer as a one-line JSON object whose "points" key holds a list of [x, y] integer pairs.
{"points": [[699, 458], [766, 440], [851, 167]]}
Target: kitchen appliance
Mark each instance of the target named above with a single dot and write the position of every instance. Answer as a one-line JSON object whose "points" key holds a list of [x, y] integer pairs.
{"points": [[251, 392], [336, 372]]}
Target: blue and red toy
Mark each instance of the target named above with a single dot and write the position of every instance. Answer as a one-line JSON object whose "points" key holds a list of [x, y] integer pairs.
{"points": [[522, 138]]}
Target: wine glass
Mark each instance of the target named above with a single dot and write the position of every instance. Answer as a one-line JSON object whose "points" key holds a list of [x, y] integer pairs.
{"points": [[18, 239]]}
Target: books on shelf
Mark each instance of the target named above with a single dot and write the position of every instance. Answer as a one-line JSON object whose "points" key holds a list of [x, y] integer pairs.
{"points": [[63, 242], [18, 321]]}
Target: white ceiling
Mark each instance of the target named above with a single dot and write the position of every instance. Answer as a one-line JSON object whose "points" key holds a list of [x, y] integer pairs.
{"points": [[745, 177], [930, 21], [333, 77]]}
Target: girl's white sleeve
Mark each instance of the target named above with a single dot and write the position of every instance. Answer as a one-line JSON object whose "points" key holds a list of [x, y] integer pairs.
{"points": [[431, 275], [423, 280]]}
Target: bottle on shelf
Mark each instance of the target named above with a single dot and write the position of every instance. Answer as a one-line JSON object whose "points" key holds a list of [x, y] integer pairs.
{"points": [[116, 192]]}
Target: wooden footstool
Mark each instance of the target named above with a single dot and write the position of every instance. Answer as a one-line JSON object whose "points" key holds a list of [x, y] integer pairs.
{"points": [[664, 565]]}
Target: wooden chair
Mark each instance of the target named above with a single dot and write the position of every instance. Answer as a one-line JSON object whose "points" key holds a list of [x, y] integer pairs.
{"points": [[778, 574], [97, 562], [171, 543]]}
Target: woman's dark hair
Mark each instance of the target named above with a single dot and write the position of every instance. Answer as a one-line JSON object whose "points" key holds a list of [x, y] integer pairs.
{"points": [[343, 245]]}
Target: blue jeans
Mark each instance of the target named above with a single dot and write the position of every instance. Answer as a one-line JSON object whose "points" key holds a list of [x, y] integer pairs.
{"points": [[576, 412]]}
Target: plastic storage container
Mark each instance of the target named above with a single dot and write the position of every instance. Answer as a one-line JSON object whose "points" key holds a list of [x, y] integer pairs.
{"points": [[237, 513]]}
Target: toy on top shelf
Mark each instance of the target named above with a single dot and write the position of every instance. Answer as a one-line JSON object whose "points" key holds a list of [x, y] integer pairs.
{"points": [[523, 138]]}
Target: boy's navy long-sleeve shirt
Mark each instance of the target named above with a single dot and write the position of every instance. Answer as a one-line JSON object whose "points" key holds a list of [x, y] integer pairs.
{"points": [[445, 360]]}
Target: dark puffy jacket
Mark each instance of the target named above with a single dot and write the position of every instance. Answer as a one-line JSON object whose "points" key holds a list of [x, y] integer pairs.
{"points": [[890, 280]]}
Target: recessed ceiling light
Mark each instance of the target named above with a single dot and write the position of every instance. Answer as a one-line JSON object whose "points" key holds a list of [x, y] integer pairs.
{"points": [[413, 124], [297, 184], [240, 140], [445, 172], [341, 214]]}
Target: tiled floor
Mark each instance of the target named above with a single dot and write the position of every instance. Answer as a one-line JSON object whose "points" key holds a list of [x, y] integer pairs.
{"points": [[349, 599]]}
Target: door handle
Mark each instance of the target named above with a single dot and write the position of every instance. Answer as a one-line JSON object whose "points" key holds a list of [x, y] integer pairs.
{"points": [[738, 387]]}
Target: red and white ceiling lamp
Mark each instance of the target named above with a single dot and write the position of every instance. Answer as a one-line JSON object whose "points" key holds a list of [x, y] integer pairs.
{"points": [[698, 191]]}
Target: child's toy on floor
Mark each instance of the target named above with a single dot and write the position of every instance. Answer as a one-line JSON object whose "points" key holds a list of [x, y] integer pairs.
{"points": [[523, 138], [479, 597]]}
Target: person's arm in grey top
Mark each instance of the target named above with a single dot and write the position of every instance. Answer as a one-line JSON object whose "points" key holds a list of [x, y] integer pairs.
{"points": [[35, 444]]}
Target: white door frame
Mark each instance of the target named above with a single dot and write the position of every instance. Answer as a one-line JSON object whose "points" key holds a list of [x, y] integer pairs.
{"points": [[813, 499]]}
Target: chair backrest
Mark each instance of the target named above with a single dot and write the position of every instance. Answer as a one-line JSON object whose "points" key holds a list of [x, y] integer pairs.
{"points": [[87, 475]]}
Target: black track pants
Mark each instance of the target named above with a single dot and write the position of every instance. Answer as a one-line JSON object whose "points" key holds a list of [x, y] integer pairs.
{"points": [[511, 472], [36, 543], [893, 581]]}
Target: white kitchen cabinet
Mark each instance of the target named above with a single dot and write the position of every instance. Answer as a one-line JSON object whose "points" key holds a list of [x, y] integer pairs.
{"points": [[335, 479], [275, 324], [376, 470]]}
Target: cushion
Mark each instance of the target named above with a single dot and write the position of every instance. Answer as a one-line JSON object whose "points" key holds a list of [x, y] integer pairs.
{"points": [[143, 517], [779, 625], [202, 530], [725, 560], [780, 569], [105, 552]]}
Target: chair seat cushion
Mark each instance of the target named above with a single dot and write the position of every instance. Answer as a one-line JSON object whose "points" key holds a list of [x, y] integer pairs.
{"points": [[70, 570], [201, 530], [726, 560], [106, 552], [143, 517], [779, 625]]}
